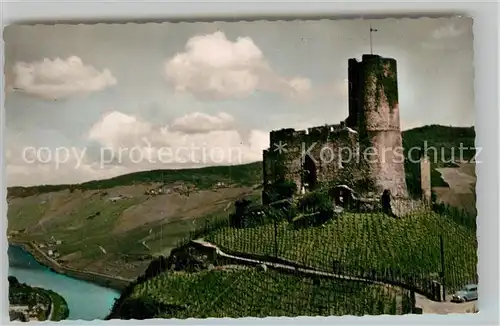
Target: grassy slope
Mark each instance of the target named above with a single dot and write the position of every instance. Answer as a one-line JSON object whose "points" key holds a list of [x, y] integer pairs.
{"points": [[443, 138], [82, 238], [161, 221], [202, 178], [61, 310], [244, 293], [446, 141], [365, 242]]}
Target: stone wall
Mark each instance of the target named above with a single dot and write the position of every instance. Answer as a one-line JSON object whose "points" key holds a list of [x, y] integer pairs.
{"points": [[387, 166], [380, 108], [425, 179], [314, 157], [402, 207]]}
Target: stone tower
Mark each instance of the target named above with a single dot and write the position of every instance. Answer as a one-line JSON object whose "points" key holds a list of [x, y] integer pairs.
{"points": [[425, 179], [374, 113]]}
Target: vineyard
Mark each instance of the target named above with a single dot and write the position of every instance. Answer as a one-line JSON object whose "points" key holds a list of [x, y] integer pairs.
{"points": [[370, 245], [371, 248], [352, 263], [252, 293]]}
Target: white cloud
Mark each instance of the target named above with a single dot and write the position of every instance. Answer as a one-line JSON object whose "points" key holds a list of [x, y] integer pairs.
{"points": [[128, 144], [338, 89], [202, 123], [59, 78], [116, 129], [139, 144], [28, 165], [213, 67]]}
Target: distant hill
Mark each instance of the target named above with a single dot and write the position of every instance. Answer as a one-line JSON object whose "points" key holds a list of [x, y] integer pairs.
{"points": [[443, 138], [202, 178], [116, 225], [446, 141]]}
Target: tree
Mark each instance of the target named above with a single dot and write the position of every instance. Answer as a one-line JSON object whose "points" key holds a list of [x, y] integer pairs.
{"points": [[281, 189], [317, 201], [13, 281], [319, 205]]}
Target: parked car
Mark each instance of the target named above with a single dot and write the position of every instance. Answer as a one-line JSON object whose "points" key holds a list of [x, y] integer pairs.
{"points": [[467, 293]]}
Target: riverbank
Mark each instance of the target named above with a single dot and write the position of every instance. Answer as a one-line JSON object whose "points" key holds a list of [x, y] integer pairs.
{"points": [[85, 300], [113, 282], [28, 303], [59, 307]]}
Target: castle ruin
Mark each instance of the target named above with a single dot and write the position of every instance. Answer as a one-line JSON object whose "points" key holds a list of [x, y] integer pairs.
{"points": [[363, 152]]}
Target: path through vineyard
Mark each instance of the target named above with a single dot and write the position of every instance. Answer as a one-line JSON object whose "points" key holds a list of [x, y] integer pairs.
{"points": [[428, 306]]}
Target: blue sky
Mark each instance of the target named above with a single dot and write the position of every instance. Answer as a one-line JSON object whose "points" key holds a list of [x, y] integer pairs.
{"points": [[216, 85]]}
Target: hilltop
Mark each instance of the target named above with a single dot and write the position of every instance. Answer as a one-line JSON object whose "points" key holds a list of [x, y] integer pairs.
{"points": [[202, 178], [116, 226], [453, 175]]}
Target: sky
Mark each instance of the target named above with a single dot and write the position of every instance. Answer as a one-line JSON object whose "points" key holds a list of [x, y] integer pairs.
{"points": [[86, 102]]}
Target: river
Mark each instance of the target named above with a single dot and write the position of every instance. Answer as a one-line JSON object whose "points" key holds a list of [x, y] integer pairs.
{"points": [[86, 301]]}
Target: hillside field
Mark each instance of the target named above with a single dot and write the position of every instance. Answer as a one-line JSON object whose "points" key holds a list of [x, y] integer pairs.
{"points": [[360, 244], [100, 233], [237, 293]]}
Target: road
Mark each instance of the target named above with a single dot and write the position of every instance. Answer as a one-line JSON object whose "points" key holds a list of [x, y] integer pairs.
{"points": [[428, 306], [56, 266], [49, 317], [446, 307]]}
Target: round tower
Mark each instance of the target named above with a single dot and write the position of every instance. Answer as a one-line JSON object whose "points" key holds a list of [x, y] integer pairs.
{"points": [[374, 98]]}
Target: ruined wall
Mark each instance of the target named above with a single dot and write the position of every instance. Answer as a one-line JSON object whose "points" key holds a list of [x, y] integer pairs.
{"points": [[279, 165], [331, 151], [425, 179]]}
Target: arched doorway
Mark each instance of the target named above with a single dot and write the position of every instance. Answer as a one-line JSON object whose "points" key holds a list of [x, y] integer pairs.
{"points": [[310, 173], [386, 201], [342, 196]]}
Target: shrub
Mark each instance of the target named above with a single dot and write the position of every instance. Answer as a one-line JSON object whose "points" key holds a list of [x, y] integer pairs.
{"points": [[13, 281], [317, 201], [317, 207], [458, 215], [249, 216], [280, 189], [245, 214]]}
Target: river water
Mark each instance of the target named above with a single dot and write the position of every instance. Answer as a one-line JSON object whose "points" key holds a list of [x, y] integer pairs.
{"points": [[86, 301]]}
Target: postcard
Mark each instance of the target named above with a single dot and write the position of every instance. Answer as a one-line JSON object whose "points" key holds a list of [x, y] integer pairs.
{"points": [[241, 169]]}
